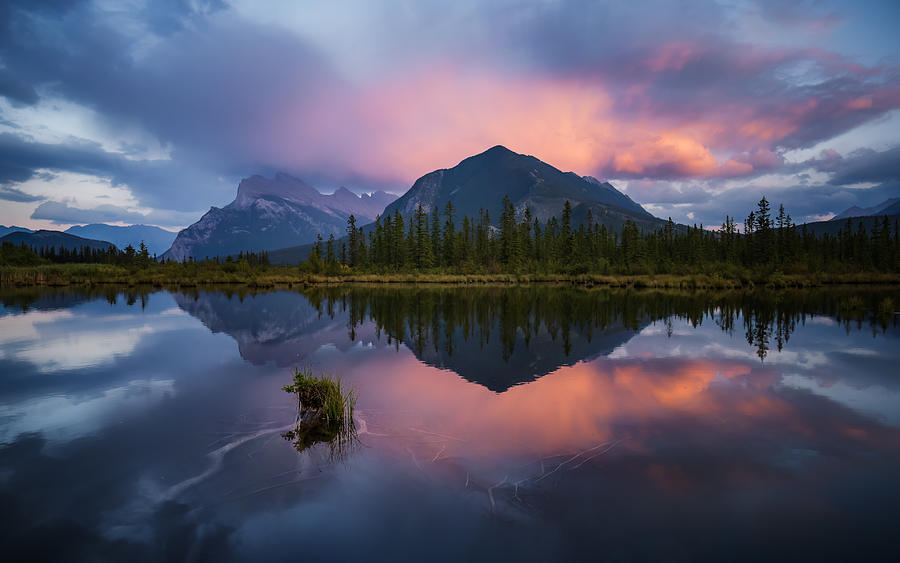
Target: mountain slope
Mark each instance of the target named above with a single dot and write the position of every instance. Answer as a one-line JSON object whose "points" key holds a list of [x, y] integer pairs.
{"points": [[4, 230], [887, 207], [274, 213], [57, 239], [832, 227], [157, 240], [481, 181]]}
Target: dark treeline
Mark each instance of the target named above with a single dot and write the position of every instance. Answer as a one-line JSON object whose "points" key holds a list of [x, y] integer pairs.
{"points": [[442, 242], [442, 317], [24, 255], [242, 259]]}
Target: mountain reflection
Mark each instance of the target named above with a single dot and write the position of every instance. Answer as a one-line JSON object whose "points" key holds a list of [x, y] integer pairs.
{"points": [[656, 413], [500, 337]]}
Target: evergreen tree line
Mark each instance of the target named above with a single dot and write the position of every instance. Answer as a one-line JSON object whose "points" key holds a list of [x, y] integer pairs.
{"points": [[440, 241], [25, 255], [84, 254], [81, 254], [242, 259]]}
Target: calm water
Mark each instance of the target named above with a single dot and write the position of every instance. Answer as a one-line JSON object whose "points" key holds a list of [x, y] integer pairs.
{"points": [[518, 424]]}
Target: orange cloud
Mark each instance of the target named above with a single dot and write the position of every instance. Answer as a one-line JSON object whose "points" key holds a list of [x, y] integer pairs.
{"points": [[435, 118], [767, 129], [864, 102]]}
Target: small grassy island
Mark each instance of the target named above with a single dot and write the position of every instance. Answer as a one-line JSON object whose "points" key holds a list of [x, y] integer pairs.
{"points": [[324, 412]]}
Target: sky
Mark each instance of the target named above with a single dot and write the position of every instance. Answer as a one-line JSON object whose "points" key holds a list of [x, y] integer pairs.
{"points": [[139, 111]]}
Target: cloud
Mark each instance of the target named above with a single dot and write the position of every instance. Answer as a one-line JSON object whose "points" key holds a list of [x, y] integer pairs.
{"points": [[166, 184], [377, 94], [865, 165], [803, 202], [12, 194], [16, 91], [666, 192], [62, 213]]}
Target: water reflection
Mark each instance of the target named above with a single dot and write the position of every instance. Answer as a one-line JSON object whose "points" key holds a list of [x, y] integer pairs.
{"points": [[528, 423], [501, 337]]}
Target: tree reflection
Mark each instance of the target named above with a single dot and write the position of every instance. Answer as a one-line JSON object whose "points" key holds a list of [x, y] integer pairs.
{"points": [[442, 318]]}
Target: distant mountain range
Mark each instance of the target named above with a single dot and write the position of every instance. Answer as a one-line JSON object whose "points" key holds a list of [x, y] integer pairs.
{"points": [[283, 215], [274, 213], [157, 240], [832, 227], [4, 230], [480, 182], [887, 207], [57, 239]]}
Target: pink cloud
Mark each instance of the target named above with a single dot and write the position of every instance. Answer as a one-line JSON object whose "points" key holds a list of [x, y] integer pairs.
{"points": [[672, 56], [400, 128]]}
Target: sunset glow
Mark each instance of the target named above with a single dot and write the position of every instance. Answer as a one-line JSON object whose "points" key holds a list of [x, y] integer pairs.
{"points": [[693, 109]]}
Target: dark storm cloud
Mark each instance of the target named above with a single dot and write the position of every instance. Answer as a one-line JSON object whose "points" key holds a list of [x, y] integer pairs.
{"points": [[20, 159], [205, 90], [15, 91], [865, 165], [12, 194]]}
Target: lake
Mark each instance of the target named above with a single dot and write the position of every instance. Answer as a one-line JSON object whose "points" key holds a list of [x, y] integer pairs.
{"points": [[522, 423]]}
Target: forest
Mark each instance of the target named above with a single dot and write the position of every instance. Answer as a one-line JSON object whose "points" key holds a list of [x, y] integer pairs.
{"points": [[768, 249], [439, 242]]}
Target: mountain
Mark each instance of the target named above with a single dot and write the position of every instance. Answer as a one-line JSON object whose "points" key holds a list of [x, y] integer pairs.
{"points": [[887, 207], [481, 181], [156, 239], [56, 239], [274, 213], [4, 230], [832, 227]]}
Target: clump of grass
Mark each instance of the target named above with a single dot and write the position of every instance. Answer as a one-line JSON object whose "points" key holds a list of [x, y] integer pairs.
{"points": [[324, 412]]}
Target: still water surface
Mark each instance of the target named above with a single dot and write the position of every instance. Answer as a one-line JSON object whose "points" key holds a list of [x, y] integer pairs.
{"points": [[524, 424]]}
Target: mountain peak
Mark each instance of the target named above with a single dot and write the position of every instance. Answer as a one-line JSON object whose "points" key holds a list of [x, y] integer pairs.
{"points": [[273, 213], [887, 207], [499, 149], [480, 182], [495, 152]]}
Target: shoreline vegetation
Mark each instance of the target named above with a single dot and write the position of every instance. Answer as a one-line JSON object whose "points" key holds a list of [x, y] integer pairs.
{"points": [[196, 274], [769, 252]]}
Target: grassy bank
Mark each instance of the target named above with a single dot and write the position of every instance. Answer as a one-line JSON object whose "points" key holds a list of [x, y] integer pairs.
{"points": [[195, 275]]}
